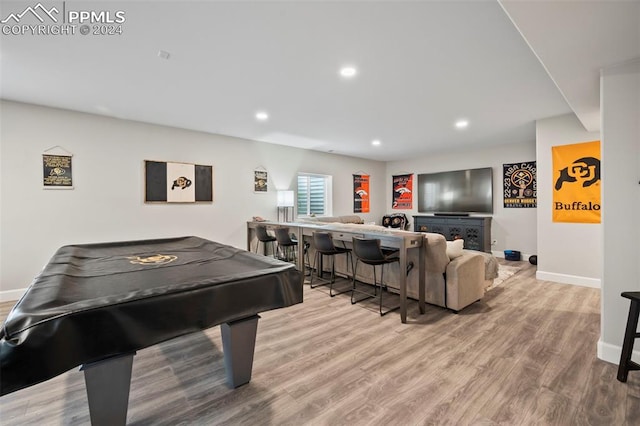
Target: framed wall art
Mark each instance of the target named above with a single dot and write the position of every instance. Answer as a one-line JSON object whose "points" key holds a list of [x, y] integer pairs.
{"points": [[361, 193], [520, 186], [260, 180], [402, 192], [57, 169], [167, 182]]}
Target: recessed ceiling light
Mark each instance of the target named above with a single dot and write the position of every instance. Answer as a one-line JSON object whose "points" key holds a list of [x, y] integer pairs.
{"points": [[376, 142], [348, 71], [262, 116], [462, 124], [163, 54]]}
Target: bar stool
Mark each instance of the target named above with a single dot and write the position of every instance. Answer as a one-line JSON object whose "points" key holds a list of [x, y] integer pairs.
{"points": [[368, 251], [323, 243], [287, 247], [264, 238], [630, 335]]}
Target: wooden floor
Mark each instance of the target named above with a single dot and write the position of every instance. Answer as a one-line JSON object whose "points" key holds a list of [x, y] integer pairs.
{"points": [[524, 355]]}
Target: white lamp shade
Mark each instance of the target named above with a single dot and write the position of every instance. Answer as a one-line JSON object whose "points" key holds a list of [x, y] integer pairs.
{"points": [[285, 198]]}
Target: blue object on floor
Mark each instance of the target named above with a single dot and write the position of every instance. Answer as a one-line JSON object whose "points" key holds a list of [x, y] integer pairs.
{"points": [[512, 255]]}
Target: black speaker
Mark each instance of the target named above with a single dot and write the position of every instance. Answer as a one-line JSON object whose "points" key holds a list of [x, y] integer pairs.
{"points": [[533, 259]]}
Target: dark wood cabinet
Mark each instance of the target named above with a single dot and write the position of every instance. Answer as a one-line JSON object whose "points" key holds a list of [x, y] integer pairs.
{"points": [[474, 230]]}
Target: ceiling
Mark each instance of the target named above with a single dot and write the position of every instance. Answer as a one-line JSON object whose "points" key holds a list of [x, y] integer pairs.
{"points": [[422, 65]]}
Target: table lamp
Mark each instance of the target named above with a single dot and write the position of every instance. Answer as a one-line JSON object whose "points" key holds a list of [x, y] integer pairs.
{"points": [[285, 206]]}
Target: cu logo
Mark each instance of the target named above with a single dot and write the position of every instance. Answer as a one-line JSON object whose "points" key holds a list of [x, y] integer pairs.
{"points": [[156, 259], [586, 169], [182, 183]]}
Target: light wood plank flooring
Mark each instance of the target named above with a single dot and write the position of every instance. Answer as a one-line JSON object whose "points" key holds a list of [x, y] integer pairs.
{"points": [[524, 355]]}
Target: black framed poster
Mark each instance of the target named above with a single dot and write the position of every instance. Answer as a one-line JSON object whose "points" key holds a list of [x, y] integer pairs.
{"points": [[520, 186], [57, 171]]}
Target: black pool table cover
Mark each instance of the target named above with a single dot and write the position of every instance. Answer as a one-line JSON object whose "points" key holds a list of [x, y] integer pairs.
{"points": [[96, 301]]}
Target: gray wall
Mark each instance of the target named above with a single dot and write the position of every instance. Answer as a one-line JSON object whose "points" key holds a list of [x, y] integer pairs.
{"points": [[513, 229], [107, 202], [569, 252], [620, 101]]}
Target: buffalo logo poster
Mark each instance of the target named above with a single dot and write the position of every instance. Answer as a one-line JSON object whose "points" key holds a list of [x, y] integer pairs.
{"points": [[402, 194], [520, 187], [576, 182], [361, 193], [178, 182], [56, 171]]}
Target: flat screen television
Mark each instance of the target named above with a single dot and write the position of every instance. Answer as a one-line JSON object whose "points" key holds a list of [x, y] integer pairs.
{"points": [[456, 192]]}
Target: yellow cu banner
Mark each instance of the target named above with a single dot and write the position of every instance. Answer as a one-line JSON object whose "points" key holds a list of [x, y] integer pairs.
{"points": [[576, 178]]}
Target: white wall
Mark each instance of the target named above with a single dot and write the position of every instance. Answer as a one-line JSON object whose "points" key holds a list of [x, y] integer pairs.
{"points": [[512, 228], [568, 252], [620, 101], [107, 202]]}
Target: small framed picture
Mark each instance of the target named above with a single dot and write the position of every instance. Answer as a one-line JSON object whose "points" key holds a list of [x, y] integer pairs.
{"points": [[56, 169], [260, 181]]}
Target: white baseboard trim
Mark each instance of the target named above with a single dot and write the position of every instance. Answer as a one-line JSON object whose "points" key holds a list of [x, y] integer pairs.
{"points": [[611, 353], [568, 279], [12, 295]]}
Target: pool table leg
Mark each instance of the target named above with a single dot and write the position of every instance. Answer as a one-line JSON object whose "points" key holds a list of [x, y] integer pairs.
{"points": [[108, 382], [238, 344]]}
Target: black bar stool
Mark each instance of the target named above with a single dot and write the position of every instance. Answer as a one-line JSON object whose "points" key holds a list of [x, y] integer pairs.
{"points": [[288, 247], [264, 238], [368, 251], [630, 335], [323, 243]]}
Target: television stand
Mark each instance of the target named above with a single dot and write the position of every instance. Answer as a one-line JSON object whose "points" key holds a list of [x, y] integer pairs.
{"points": [[451, 214], [474, 230]]}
